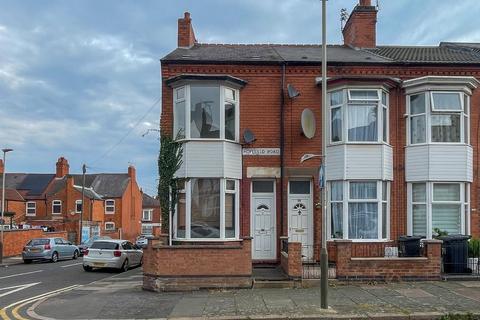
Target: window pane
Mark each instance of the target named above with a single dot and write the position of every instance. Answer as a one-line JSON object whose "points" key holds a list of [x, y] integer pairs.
{"points": [[362, 220], [446, 192], [446, 101], [300, 187], [384, 190], [419, 192], [230, 184], [336, 124], [57, 207], [419, 219], [205, 112], [417, 103], [363, 190], [181, 209], [385, 124], [337, 190], [384, 98], [336, 98], [417, 129], [446, 217], [337, 220], [179, 120], [465, 129], [229, 121], [205, 208], [229, 215], [362, 123], [180, 93], [363, 94], [262, 186], [229, 94], [384, 220], [446, 128]]}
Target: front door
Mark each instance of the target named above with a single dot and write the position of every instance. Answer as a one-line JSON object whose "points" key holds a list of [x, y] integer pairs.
{"points": [[263, 220], [300, 217]]}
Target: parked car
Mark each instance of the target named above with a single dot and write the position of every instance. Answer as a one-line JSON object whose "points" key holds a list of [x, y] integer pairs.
{"points": [[87, 244], [52, 249], [142, 241], [116, 254]]}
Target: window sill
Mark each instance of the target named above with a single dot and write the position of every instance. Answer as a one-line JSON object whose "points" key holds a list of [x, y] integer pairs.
{"points": [[109, 212], [359, 143], [207, 140], [207, 240]]}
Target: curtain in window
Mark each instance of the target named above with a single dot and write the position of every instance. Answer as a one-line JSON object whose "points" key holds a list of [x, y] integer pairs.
{"points": [[417, 129], [336, 124], [446, 192], [362, 123], [362, 220], [229, 215], [419, 220], [446, 217], [337, 209], [363, 190], [447, 101], [445, 127], [205, 208]]}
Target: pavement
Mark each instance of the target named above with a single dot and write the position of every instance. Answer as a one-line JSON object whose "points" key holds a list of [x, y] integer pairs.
{"points": [[121, 297]]}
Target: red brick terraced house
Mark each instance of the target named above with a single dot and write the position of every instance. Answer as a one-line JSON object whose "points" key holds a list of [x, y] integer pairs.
{"points": [[151, 216], [113, 202], [401, 157]]}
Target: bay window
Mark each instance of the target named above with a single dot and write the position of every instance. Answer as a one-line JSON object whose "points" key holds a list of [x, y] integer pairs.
{"points": [[438, 117], [359, 210], [438, 205], [358, 115], [207, 208], [205, 111]]}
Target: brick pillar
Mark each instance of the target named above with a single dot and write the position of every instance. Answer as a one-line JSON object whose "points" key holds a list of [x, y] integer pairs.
{"points": [[344, 254]]}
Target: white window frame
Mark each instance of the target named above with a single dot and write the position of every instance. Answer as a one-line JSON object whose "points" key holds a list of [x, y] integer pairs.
{"points": [[146, 225], [223, 191], [460, 97], [464, 114], [107, 206], [347, 101], [149, 214], [77, 202], [464, 203], [346, 200], [223, 100], [109, 223], [57, 203], [34, 208]]}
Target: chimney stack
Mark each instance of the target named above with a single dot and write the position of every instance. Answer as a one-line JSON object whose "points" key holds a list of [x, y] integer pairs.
{"points": [[2, 166], [62, 168], [360, 29], [186, 36], [132, 172]]}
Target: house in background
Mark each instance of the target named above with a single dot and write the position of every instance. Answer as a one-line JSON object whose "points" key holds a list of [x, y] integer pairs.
{"points": [[151, 216], [402, 144], [113, 202]]}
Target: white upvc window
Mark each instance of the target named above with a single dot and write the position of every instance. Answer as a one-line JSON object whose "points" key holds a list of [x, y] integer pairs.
{"points": [[147, 229], [109, 206], [359, 210], [109, 226], [438, 205], [147, 214], [31, 208], [358, 115], [206, 111], [56, 206], [207, 209], [78, 206], [438, 117]]}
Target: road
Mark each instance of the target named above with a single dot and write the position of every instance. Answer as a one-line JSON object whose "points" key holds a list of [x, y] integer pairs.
{"points": [[21, 284]]}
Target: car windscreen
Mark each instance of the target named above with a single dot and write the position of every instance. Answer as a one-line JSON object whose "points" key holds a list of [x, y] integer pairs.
{"points": [[38, 242], [104, 245]]}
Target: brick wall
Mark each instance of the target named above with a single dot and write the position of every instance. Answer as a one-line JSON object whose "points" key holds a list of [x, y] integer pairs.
{"points": [[15, 240], [196, 266], [427, 267], [291, 262]]}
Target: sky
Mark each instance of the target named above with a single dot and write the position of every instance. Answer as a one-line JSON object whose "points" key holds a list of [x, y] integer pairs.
{"points": [[81, 78]]}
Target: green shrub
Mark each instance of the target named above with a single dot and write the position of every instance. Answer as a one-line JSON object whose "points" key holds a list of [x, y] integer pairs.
{"points": [[474, 248]]}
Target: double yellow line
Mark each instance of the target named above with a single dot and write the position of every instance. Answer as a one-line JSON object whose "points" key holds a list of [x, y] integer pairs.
{"points": [[17, 305]]}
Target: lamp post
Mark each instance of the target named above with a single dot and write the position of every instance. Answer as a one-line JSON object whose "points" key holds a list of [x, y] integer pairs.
{"points": [[5, 151]]}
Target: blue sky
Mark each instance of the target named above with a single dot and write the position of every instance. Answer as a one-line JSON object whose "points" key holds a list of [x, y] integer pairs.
{"points": [[78, 77]]}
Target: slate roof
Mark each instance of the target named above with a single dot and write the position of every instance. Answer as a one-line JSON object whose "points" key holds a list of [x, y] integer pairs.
{"points": [[461, 53], [149, 201], [30, 185], [108, 185]]}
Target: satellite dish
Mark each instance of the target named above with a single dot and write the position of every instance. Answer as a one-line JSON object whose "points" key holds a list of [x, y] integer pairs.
{"points": [[308, 123], [292, 92], [248, 136]]}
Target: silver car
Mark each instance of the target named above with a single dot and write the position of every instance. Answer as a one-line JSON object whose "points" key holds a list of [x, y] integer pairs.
{"points": [[117, 254], [52, 249]]}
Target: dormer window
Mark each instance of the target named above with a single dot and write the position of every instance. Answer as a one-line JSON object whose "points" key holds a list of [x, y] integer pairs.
{"points": [[206, 111], [359, 116]]}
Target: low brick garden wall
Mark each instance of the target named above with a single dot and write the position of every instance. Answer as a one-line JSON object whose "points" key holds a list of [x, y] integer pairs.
{"points": [[427, 267], [191, 267], [291, 261], [15, 240]]}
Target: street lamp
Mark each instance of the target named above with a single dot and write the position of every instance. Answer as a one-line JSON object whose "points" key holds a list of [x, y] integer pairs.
{"points": [[308, 156], [5, 151]]}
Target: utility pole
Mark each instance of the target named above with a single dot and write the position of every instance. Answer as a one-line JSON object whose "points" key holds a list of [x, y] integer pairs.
{"points": [[323, 252], [84, 170], [3, 201]]}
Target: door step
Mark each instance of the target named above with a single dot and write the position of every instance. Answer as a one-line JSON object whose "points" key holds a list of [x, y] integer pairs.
{"points": [[277, 284]]}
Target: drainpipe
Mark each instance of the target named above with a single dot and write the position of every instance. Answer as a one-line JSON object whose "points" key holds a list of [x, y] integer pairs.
{"points": [[282, 146]]}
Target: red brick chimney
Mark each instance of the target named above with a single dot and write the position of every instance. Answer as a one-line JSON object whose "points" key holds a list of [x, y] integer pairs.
{"points": [[132, 172], [360, 29], [186, 36], [2, 166], [62, 168]]}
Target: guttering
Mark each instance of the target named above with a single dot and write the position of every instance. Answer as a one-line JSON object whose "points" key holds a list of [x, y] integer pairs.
{"points": [[186, 77]]}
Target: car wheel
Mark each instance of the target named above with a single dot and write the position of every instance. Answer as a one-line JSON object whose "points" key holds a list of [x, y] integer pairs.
{"points": [[54, 257], [87, 268], [75, 255], [124, 267], [27, 261]]}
